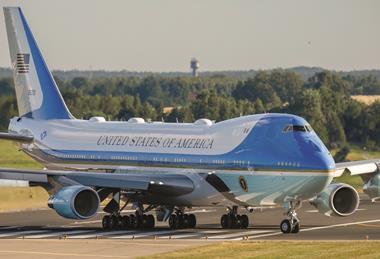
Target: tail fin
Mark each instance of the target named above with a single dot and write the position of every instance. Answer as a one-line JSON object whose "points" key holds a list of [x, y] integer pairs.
{"points": [[37, 94]]}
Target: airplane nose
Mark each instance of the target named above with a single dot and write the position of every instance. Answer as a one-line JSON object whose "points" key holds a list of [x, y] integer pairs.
{"points": [[315, 155]]}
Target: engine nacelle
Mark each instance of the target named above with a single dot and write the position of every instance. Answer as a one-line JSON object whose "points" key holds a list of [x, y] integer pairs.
{"points": [[337, 200], [75, 202], [372, 187]]}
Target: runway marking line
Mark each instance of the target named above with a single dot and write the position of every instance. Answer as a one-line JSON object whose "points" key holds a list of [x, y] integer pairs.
{"points": [[317, 228], [22, 233], [179, 236], [59, 233], [144, 234], [94, 233], [240, 234], [62, 254], [258, 236], [340, 225], [10, 227], [369, 225]]}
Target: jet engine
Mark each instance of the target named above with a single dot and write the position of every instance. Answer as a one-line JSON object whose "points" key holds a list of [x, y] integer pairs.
{"points": [[372, 187], [75, 202], [337, 200]]}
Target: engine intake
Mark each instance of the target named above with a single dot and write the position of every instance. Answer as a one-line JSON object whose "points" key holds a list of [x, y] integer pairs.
{"points": [[75, 202], [337, 200]]}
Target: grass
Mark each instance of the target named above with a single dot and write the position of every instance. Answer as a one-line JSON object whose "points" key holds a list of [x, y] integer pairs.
{"points": [[15, 198], [280, 249], [10, 156], [357, 153]]}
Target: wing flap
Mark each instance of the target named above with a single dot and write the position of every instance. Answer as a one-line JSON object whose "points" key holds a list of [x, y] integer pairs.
{"points": [[39, 178], [160, 183]]}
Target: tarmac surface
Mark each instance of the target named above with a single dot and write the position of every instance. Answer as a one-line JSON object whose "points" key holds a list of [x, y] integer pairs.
{"points": [[24, 233]]}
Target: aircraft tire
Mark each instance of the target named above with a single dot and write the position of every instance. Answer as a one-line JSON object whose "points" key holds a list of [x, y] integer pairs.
{"points": [[150, 221], [286, 226], [244, 221], [106, 222], [144, 221], [133, 221], [173, 221], [234, 222], [125, 222], [192, 221], [186, 220], [139, 221], [237, 221], [114, 222], [296, 228], [225, 221], [181, 221]]}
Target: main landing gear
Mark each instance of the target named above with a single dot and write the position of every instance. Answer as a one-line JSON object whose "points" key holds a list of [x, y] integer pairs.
{"points": [[133, 221], [115, 220], [234, 220], [181, 220], [291, 224]]}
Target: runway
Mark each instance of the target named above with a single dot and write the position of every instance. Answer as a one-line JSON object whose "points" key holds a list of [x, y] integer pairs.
{"points": [[46, 224], [43, 234]]}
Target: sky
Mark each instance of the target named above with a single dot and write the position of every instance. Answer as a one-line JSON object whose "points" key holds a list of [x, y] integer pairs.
{"points": [[162, 36]]}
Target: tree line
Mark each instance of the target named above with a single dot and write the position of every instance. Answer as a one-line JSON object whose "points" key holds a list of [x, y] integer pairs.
{"points": [[323, 99]]}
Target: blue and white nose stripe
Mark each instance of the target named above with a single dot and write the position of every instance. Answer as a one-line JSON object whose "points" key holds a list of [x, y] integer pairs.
{"points": [[269, 145]]}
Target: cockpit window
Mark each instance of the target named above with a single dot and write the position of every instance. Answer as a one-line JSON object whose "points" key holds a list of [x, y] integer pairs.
{"points": [[309, 128], [299, 128], [288, 128]]}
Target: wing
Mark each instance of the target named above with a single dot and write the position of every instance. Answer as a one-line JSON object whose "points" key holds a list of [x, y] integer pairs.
{"points": [[162, 183], [363, 167], [16, 137]]}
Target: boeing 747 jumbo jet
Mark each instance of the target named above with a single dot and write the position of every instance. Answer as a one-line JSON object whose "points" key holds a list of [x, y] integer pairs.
{"points": [[260, 160]]}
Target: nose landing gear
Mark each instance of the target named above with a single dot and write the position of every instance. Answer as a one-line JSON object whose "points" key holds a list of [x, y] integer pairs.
{"points": [[234, 220], [292, 223]]}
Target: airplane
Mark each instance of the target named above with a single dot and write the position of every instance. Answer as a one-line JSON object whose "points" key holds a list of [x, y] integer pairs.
{"points": [[261, 160]]}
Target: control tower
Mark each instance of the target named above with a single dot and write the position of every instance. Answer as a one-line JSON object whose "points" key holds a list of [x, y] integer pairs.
{"points": [[194, 65]]}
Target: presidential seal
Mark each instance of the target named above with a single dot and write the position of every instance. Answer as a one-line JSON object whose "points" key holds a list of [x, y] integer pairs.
{"points": [[243, 183]]}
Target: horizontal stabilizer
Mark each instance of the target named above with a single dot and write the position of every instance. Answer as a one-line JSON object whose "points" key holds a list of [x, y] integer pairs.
{"points": [[16, 137]]}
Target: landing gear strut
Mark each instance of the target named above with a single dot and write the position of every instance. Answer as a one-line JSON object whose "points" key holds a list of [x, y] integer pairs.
{"points": [[234, 220], [291, 224], [181, 220]]}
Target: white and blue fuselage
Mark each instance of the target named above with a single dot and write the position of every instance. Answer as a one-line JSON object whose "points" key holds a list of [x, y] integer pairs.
{"points": [[259, 160]]}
